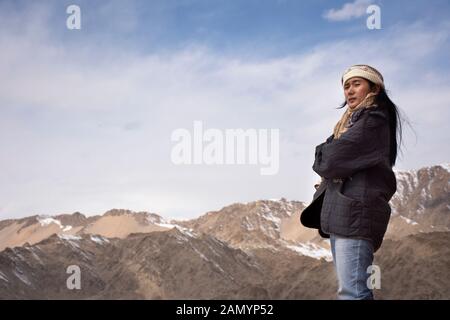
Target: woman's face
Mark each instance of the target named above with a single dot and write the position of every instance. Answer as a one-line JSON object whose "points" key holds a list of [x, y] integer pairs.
{"points": [[355, 90]]}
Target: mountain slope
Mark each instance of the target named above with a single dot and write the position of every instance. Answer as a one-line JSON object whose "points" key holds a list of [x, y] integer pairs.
{"points": [[415, 267], [158, 265], [179, 265], [272, 224], [255, 250], [114, 223]]}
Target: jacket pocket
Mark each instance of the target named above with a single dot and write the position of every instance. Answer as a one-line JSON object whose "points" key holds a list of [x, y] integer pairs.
{"points": [[343, 185], [344, 197], [348, 212]]}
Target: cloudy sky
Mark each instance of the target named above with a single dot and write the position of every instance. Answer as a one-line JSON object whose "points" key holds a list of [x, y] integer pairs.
{"points": [[86, 116]]}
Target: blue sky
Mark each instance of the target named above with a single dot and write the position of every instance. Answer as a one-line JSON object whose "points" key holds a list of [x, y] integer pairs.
{"points": [[87, 115], [277, 27]]}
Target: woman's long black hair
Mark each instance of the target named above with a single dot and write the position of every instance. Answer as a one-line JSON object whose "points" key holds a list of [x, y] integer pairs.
{"points": [[395, 121]]}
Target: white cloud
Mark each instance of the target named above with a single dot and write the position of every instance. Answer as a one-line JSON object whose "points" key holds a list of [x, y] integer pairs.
{"points": [[348, 11], [66, 118]]}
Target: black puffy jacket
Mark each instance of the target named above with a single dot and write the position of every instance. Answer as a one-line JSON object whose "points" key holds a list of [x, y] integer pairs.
{"points": [[353, 199]]}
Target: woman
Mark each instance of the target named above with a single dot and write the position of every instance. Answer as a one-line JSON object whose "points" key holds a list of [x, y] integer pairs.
{"points": [[351, 204]]}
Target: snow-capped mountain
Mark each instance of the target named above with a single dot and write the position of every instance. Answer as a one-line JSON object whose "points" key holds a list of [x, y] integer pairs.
{"points": [[180, 265], [422, 201], [255, 250], [271, 224], [171, 264], [114, 223]]}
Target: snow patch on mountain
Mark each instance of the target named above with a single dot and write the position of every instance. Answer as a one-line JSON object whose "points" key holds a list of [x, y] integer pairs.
{"points": [[270, 217], [68, 237], [267, 214], [446, 166], [161, 222], [311, 250], [21, 276], [34, 254], [248, 225], [99, 239], [3, 277], [409, 221], [187, 231], [46, 221]]}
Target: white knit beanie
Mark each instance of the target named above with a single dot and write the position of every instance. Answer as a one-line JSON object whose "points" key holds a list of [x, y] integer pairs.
{"points": [[363, 71]]}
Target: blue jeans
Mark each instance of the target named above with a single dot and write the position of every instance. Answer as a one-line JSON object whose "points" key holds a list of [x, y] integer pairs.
{"points": [[351, 259]]}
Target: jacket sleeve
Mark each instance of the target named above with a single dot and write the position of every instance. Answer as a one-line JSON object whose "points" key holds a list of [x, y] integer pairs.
{"points": [[360, 147]]}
